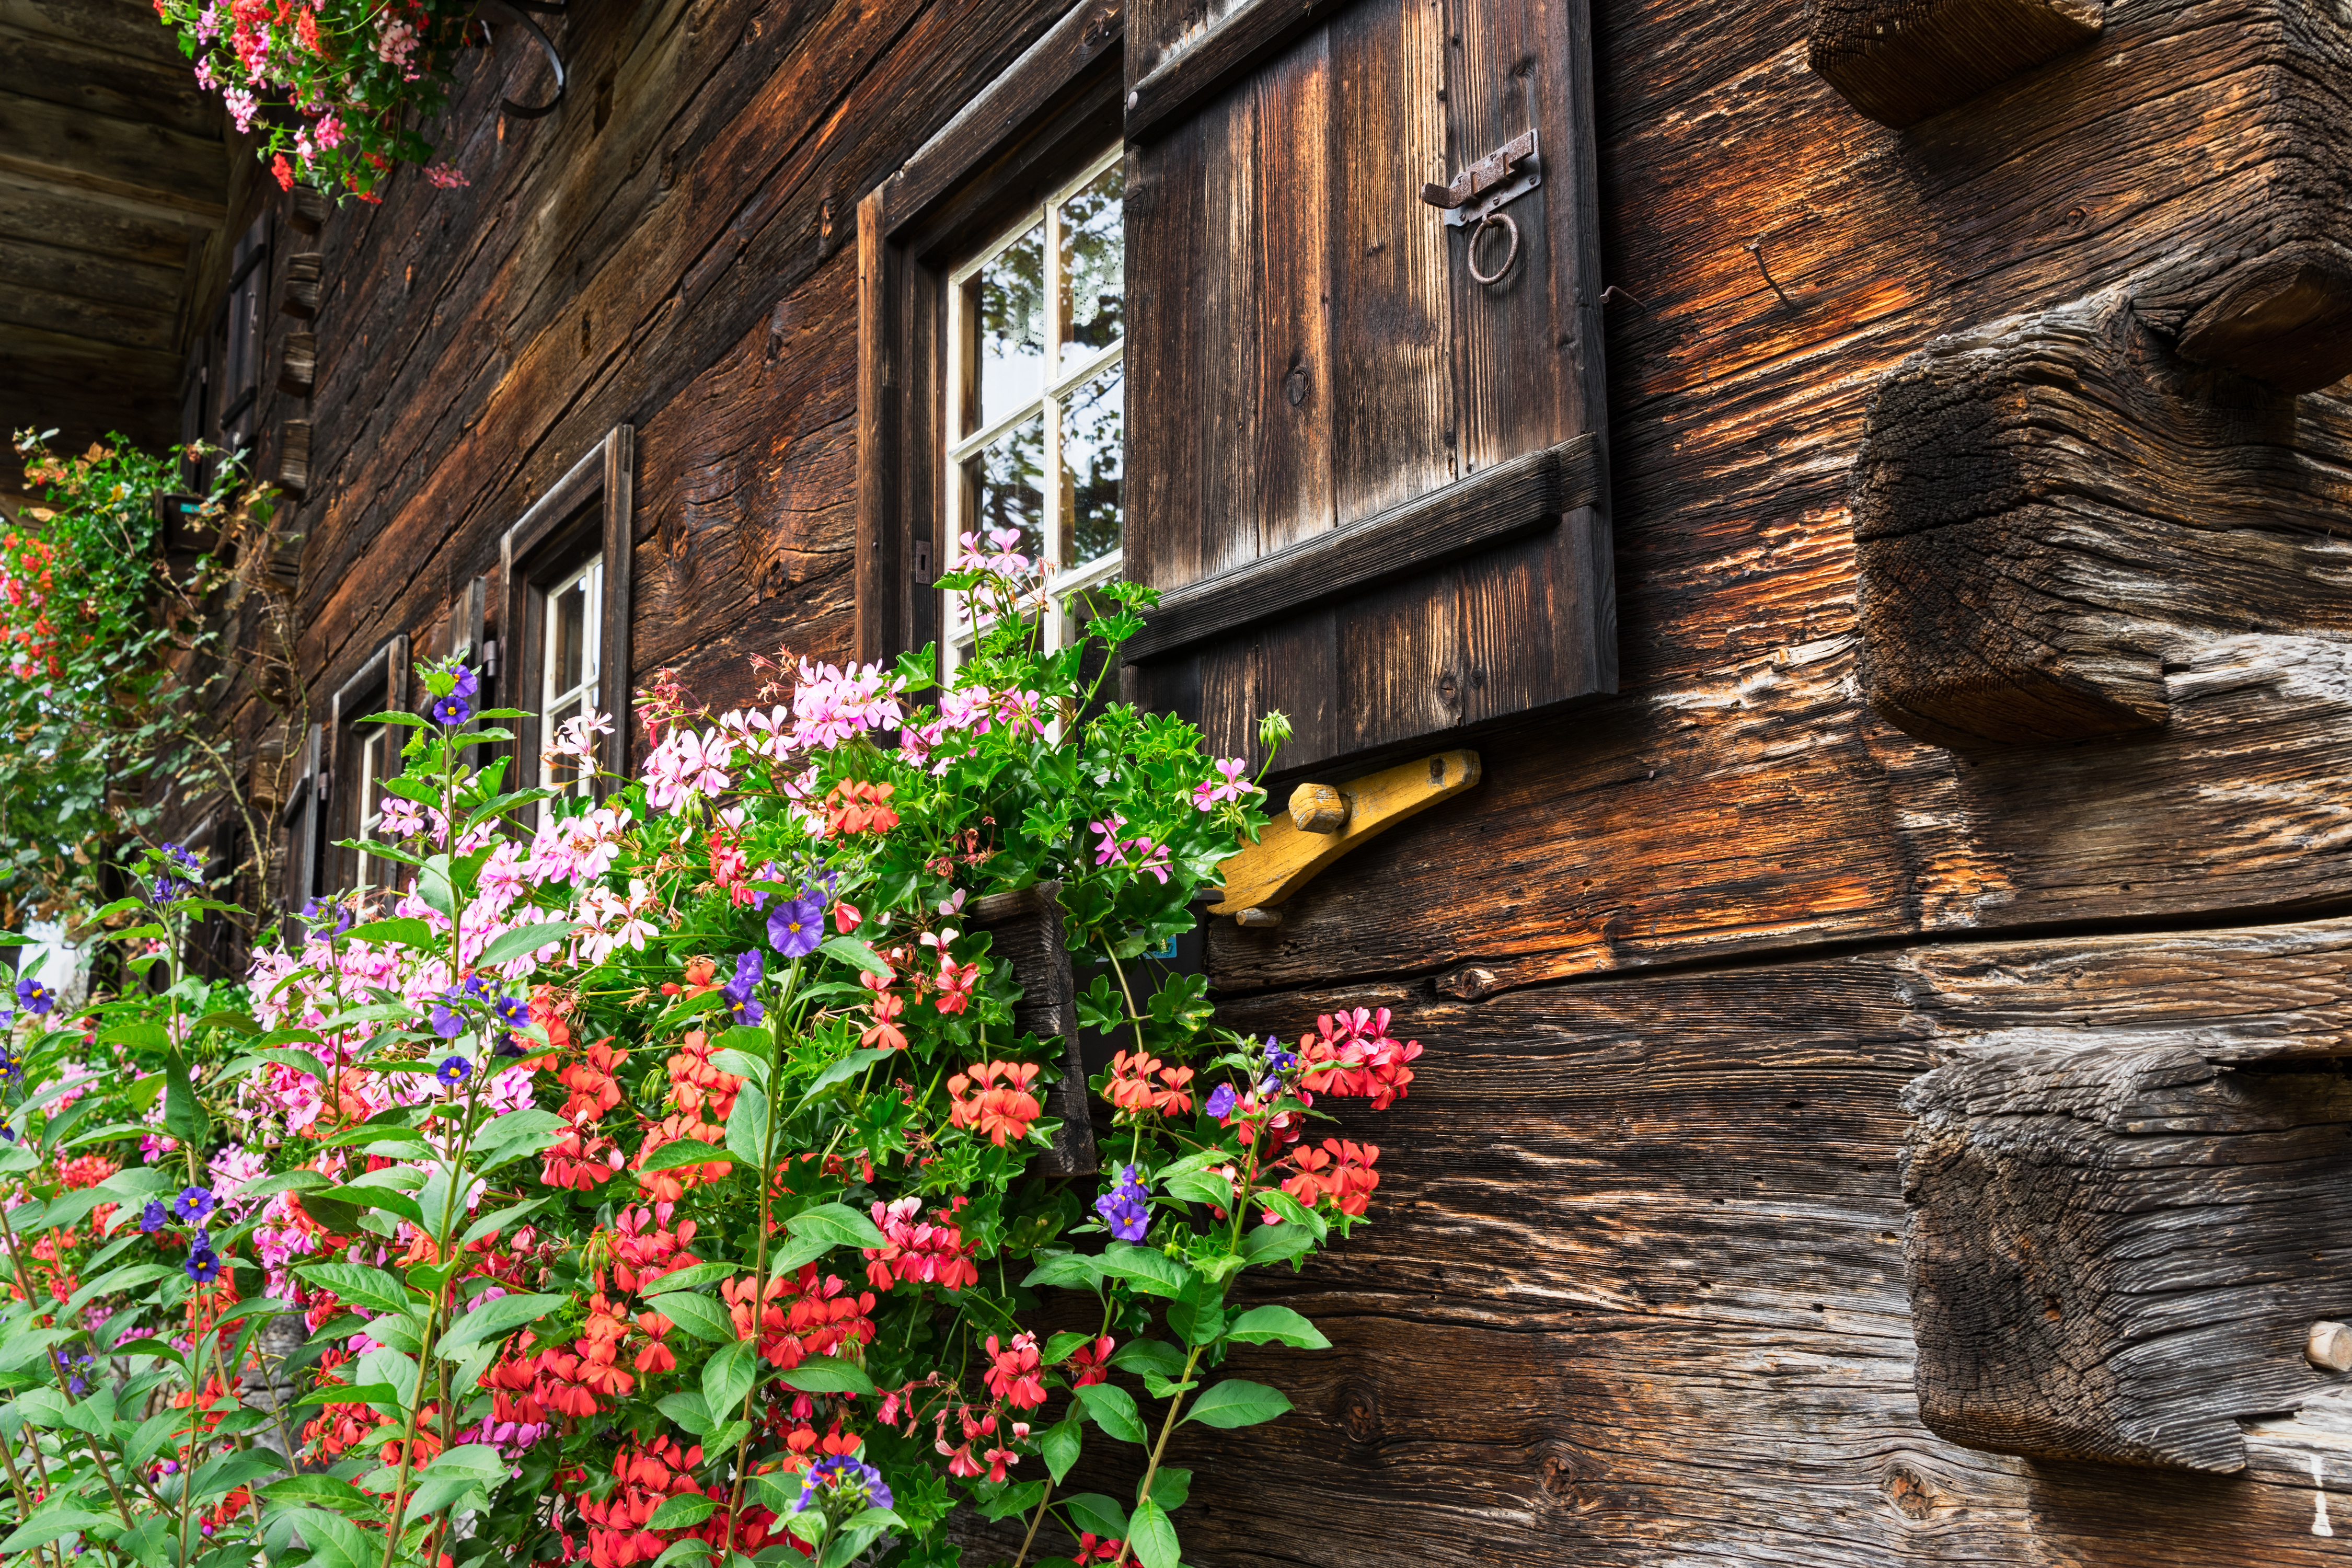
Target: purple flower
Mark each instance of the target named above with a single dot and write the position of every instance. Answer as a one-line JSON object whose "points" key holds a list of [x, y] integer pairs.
{"points": [[12, 1069], [204, 1266], [444, 1021], [1125, 1208], [454, 1071], [155, 1216], [34, 998], [1277, 1059], [1221, 1102], [843, 1477], [194, 1205], [796, 928], [469, 685], [512, 1011], [750, 969], [766, 873]]}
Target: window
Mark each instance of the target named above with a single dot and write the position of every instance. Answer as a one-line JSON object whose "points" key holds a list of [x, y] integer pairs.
{"points": [[1034, 431], [365, 755], [568, 664], [561, 645], [992, 336]]}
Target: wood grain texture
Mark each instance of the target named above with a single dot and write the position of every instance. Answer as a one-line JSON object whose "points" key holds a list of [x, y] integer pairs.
{"points": [[2114, 1252], [1178, 63], [2042, 506], [1899, 61]]}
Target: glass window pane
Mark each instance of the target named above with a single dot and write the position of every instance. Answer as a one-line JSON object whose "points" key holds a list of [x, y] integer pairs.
{"points": [[568, 634], [1004, 487], [1005, 304], [1093, 465], [1094, 264]]}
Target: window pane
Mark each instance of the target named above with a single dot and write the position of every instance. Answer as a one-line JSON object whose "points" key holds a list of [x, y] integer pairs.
{"points": [[1005, 487], [1093, 263], [1092, 465], [568, 637], [1005, 303]]}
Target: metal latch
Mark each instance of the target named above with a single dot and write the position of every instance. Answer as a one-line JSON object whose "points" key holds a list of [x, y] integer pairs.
{"points": [[1476, 198]]}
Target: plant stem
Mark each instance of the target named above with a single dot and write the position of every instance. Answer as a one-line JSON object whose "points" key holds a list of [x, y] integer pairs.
{"points": [[1034, 1521], [23, 1499], [25, 1283], [1143, 1493]]}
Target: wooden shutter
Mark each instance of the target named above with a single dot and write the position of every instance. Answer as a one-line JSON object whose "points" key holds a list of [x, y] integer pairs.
{"points": [[1371, 488]]}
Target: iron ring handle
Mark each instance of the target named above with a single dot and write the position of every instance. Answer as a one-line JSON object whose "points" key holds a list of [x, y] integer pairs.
{"points": [[1510, 254]]}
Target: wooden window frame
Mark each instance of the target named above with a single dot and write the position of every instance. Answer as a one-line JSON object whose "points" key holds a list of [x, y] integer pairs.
{"points": [[241, 346], [304, 822], [1052, 110], [587, 512], [385, 671]]}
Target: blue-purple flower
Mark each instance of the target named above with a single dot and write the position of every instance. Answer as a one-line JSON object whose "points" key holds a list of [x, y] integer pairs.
{"points": [[844, 1479], [1126, 1208], [458, 706], [1277, 1059], [178, 874], [454, 1070], [12, 1066], [512, 1011], [194, 1205], [750, 969], [445, 1019], [34, 998], [1221, 1102], [155, 1216], [204, 1266], [796, 928]]}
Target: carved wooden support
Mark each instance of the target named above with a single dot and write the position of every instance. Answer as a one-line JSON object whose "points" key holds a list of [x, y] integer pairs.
{"points": [[1025, 931], [2118, 1252], [1899, 61], [303, 271], [2042, 507], [1325, 823], [300, 367]]}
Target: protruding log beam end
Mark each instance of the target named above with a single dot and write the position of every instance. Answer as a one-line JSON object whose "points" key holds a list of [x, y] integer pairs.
{"points": [[1317, 808], [1899, 61], [2328, 1347], [294, 458], [2110, 1246], [2286, 319], [1258, 919]]}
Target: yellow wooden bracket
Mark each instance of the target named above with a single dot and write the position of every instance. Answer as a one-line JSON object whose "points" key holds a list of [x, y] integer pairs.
{"points": [[1325, 822]]}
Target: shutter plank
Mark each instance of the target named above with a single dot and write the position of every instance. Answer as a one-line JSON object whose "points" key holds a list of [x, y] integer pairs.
{"points": [[1399, 653], [1393, 431], [1167, 250]]}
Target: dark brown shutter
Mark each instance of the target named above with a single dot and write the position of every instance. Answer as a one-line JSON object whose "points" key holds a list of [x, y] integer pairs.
{"points": [[1371, 488]]}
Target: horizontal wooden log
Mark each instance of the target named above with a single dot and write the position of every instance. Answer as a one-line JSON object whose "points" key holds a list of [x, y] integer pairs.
{"points": [[94, 79], [304, 272], [1511, 499], [297, 365], [294, 457], [156, 166], [2286, 319], [1899, 61], [2043, 506], [2116, 1252]]}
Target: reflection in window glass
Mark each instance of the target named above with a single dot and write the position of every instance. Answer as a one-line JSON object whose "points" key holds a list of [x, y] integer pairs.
{"points": [[1094, 461], [568, 670], [1094, 265], [1010, 296], [1055, 378]]}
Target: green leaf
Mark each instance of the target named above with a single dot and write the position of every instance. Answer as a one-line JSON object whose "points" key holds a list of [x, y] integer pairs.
{"points": [[523, 941], [683, 1512], [680, 1152], [1238, 1402], [332, 1490], [845, 1070], [746, 1125], [56, 1524], [1201, 1187], [825, 1375], [1294, 1211], [496, 1320], [406, 932], [1150, 1356], [1009, 1499], [1169, 1487], [433, 885], [1112, 1408], [1071, 1271], [1274, 1243], [693, 1277], [1058, 1347], [352, 1394], [837, 1224], [353, 1282], [1151, 1537], [1097, 1515], [332, 1538], [1146, 1268], [182, 1117], [516, 1134], [1279, 1325], [687, 1408], [287, 1181], [700, 1316], [1060, 1444], [852, 951], [728, 1376]]}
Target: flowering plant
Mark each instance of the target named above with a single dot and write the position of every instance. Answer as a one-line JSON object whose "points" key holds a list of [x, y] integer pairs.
{"points": [[91, 629], [661, 1174], [337, 85]]}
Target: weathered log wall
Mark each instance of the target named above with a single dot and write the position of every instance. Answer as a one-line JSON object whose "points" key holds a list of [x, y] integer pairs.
{"points": [[1636, 1294]]}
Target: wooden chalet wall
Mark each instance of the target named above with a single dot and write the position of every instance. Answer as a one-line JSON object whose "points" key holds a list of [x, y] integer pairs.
{"points": [[1635, 1293]]}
